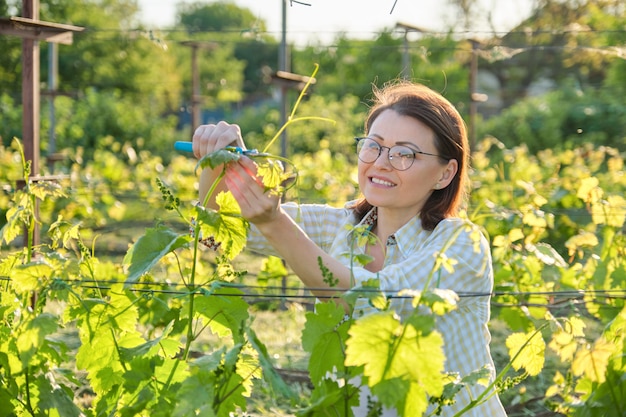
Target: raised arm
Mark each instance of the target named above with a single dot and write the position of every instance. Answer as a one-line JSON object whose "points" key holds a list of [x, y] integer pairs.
{"points": [[263, 209]]}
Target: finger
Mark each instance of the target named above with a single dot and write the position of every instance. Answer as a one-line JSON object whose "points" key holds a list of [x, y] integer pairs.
{"points": [[246, 172], [226, 134], [249, 166], [247, 192], [211, 137], [198, 139]]}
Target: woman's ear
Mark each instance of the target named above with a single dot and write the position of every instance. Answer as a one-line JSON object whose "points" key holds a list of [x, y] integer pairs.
{"points": [[448, 174]]}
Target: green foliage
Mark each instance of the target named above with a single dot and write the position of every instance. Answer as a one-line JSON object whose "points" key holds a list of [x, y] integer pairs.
{"points": [[216, 17], [106, 121], [130, 371], [551, 203], [563, 119], [145, 350]]}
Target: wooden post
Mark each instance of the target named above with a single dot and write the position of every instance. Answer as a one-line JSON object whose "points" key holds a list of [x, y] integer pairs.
{"points": [[32, 30], [30, 101], [196, 93]]}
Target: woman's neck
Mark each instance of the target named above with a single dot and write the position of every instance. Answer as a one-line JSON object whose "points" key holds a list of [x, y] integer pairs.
{"points": [[390, 221]]}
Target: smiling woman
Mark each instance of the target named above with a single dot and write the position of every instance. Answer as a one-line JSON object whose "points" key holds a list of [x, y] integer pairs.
{"points": [[400, 235]]}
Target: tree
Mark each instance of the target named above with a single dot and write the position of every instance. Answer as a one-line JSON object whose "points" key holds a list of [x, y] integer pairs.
{"points": [[242, 33], [561, 40]]}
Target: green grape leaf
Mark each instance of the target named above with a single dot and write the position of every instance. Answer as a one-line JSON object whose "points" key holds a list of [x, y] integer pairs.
{"points": [[329, 397], [323, 337], [527, 351], [226, 226], [159, 345], [122, 311], [150, 248], [225, 310], [194, 396], [516, 318], [272, 173], [326, 318], [30, 277], [45, 189], [59, 399], [98, 357], [593, 361], [389, 349], [410, 399], [32, 338], [272, 267], [217, 158], [362, 258], [480, 376], [269, 372], [17, 217]]}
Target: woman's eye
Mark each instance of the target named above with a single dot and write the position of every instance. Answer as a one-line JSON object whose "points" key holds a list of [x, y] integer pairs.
{"points": [[403, 153]]}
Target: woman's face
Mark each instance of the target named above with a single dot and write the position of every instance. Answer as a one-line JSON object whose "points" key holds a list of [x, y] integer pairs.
{"points": [[403, 193]]}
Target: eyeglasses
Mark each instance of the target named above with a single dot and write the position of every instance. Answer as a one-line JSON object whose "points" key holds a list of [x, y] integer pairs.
{"points": [[400, 157]]}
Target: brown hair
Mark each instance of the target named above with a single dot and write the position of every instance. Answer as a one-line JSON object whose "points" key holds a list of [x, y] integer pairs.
{"points": [[436, 112]]}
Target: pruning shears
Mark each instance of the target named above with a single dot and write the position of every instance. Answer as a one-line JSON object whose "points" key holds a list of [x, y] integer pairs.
{"points": [[187, 147]]}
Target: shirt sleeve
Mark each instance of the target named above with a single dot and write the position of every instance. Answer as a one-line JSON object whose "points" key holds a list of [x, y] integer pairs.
{"points": [[320, 222]]}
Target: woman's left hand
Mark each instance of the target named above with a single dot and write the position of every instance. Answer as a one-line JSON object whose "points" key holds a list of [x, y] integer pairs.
{"points": [[257, 205]]}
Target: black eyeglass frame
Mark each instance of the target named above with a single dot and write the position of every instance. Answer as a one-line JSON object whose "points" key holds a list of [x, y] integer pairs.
{"points": [[380, 151]]}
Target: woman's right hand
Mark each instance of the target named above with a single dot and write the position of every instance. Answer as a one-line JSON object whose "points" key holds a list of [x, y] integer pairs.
{"points": [[207, 139], [212, 137]]}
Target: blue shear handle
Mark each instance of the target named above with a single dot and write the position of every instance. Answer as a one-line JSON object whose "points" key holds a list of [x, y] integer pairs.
{"points": [[183, 146]]}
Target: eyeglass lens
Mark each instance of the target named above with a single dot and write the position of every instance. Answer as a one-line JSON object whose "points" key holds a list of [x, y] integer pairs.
{"points": [[400, 157]]}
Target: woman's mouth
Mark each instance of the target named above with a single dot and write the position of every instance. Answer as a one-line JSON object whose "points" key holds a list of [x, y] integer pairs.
{"points": [[380, 181]]}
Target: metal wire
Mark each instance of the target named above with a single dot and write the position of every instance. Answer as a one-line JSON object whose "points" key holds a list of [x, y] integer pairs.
{"points": [[263, 292]]}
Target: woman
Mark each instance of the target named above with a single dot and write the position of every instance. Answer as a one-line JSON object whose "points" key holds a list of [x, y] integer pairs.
{"points": [[413, 174]]}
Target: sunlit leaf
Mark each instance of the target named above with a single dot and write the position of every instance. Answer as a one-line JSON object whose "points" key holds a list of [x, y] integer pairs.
{"points": [[272, 173], [47, 189], [226, 226], [611, 211], [592, 361], [32, 338], [389, 349], [31, 276], [150, 248], [272, 267], [18, 216], [581, 240], [589, 191], [224, 311], [546, 254], [529, 349]]}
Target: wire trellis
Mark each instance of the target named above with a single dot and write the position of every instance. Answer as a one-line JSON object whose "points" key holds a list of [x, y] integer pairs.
{"points": [[557, 299]]}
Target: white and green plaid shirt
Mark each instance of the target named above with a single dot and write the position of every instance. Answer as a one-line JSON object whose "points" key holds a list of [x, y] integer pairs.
{"points": [[411, 255]]}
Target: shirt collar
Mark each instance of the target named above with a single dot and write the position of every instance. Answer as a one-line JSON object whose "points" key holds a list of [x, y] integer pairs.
{"points": [[405, 237]]}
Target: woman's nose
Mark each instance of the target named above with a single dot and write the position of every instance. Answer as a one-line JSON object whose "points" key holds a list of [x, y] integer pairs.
{"points": [[383, 158]]}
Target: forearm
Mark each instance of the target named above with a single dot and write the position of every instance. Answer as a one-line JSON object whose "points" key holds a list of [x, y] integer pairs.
{"points": [[303, 255]]}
